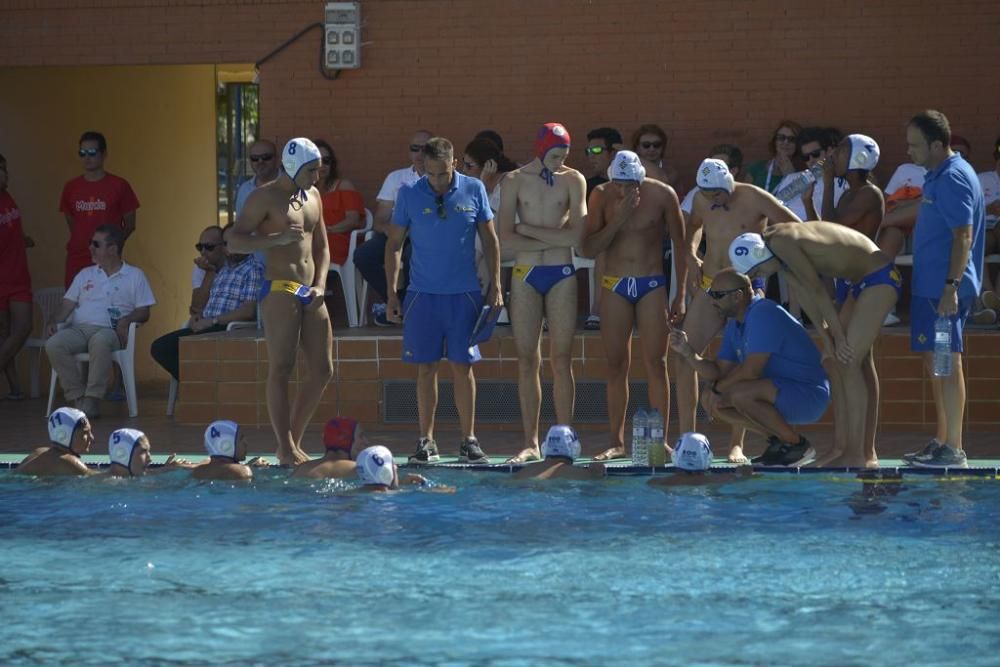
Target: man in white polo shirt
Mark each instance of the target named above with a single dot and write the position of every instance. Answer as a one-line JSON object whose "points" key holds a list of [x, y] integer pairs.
{"points": [[100, 304]]}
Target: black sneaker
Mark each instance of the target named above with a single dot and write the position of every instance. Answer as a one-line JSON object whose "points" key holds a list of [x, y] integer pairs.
{"points": [[771, 454], [471, 452], [379, 317], [925, 454], [944, 457], [427, 452], [793, 456]]}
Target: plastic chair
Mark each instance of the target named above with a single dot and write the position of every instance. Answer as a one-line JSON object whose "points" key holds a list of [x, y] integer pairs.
{"points": [[125, 358], [47, 300], [349, 280]]}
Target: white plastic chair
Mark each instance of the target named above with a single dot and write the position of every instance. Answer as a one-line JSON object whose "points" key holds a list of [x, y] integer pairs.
{"points": [[47, 300], [349, 280], [125, 358]]}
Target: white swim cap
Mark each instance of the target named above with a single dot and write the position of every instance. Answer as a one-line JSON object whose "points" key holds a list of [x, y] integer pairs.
{"points": [[747, 251], [626, 166], [376, 467], [63, 424], [864, 152], [221, 438], [121, 446], [714, 175], [692, 452], [296, 154], [561, 441]]}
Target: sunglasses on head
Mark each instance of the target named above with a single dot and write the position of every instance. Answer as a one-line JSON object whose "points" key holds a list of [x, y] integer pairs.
{"points": [[718, 294], [651, 144], [207, 247], [787, 138], [812, 154], [416, 148], [263, 157], [594, 150], [88, 152], [441, 210]]}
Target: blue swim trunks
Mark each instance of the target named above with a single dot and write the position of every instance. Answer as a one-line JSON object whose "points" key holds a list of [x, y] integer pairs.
{"points": [[887, 275], [633, 289], [543, 277], [923, 314], [287, 286], [801, 402], [439, 325]]}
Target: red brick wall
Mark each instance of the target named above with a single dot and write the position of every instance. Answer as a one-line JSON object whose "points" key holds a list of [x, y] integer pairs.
{"points": [[707, 70]]}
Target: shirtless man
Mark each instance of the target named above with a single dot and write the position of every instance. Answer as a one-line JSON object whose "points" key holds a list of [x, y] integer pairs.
{"points": [[131, 455], [227, 448], [548, 199], [341, 438], [70, 434], [869, 284], [281, 217], [724, 209], [560, 449], [628, 221], [862, 205]]}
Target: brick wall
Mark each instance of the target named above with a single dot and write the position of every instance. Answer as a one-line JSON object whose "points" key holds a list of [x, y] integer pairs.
{"points": [[707, 70]]}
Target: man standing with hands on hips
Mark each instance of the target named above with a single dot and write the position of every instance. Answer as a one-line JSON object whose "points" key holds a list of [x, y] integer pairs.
{"points": [[441, 214], [948, 244]]}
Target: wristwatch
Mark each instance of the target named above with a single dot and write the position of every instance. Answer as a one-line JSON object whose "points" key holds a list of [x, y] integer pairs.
{"points": [[952, 281]]}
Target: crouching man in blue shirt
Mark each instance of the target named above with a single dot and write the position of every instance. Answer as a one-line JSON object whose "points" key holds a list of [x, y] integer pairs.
{"points": [[768, 374]]}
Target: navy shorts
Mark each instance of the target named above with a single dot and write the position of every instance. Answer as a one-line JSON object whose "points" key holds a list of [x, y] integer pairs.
{"points": [[801, 402], [440, 325], [923, 314]]}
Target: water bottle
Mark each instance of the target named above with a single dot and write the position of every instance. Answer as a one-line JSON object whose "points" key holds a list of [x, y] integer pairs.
{"points": [[800, 183], [657, 453], [114, 315], [640, 438], [942, 347]]}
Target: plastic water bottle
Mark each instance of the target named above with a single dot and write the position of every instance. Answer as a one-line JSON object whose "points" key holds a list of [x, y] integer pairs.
{"points": [[640, 438], [657, 454], [942, 347], [800, 183]]}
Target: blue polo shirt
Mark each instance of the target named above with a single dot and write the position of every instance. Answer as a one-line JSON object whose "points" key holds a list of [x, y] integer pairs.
{"points": [[443, 238], [952, 198], [767, 328]]}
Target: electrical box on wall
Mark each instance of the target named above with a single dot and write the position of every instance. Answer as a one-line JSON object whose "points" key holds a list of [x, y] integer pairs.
{"points": [[342, 46]]}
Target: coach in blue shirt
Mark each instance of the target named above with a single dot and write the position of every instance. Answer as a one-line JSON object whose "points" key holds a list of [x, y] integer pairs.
{"points": [[442, 213], [948, 244], [768, 374]]}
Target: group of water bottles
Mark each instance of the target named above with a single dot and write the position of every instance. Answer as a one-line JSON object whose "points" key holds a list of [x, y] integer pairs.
{"points": [[647, 439]]}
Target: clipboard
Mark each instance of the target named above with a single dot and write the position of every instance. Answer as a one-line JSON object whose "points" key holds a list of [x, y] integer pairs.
{"points": [[485, 324]]}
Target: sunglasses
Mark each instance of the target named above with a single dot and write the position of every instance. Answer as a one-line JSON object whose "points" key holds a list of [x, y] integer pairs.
{"points": [[327, 160], [88, 152], [207, 247], [787, 138], [416, 148], [97, 244], [651, 144], [812, 154], [594, 150], [263, 157], [718, 294], [442, 211]]}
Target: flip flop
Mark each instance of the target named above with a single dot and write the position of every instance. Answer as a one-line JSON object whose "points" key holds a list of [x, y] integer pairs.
{"points": [[608, 455], [525, 456]]}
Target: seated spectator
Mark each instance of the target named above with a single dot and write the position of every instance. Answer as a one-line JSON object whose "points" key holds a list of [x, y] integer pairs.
{"points": [[649, 142], [990, 182], [232, 298], [227, 448], [559, 451], [101, 303], [767, 174], [71, 437], [130, 454], [15, 286], [343, 208], [369, 258], [342, 437], [815, 146]]}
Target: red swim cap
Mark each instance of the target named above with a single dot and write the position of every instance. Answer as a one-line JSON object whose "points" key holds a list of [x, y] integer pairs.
{"points": [[551, 135], [339, 433]]}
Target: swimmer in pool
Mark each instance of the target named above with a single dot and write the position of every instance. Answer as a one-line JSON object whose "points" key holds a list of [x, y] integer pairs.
{"points": [[547, 198], [71, 436], [129, 451], [343, 438], [379, 473], [692, 456], [560, 449], [285, 219], [227, 448]]}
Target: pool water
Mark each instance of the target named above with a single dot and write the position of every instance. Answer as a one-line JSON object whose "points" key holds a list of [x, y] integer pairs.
{"points": [[776, 570]]}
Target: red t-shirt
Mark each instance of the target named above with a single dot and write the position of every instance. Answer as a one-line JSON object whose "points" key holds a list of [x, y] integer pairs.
{"points": [[13, 255], [336, 204], [91, 204]]}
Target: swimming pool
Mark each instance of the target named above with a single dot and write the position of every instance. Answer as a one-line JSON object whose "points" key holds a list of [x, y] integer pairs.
{"points": [[777, 570]]}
